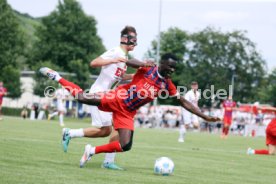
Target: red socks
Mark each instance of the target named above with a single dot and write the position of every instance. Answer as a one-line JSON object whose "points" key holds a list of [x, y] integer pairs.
{"points": [[225, 131], [70, 86], [262, 152], [109, 148]]}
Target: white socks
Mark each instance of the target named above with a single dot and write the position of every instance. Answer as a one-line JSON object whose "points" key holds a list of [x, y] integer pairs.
{"points": [[76, 133], [57, 78], [182, 131], [61, 119], [92, 150], [109, 158]]}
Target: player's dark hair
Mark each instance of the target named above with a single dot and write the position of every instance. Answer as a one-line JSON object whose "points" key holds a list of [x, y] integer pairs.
{"points": [[168, 56], [127, 30]]}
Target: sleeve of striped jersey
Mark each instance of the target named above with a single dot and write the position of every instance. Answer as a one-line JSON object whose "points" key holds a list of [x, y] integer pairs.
{"points": [[172, 89], [143, 69]]}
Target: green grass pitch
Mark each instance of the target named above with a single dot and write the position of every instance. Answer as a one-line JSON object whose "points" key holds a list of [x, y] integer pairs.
{"points": [[31, 153]]}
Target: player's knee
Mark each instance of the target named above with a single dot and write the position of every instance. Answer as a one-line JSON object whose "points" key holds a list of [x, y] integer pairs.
{"points": [[127, 147], [106, 131]]}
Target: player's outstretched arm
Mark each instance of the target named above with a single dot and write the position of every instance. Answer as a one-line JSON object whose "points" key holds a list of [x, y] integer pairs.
{"points": [[267, 108], [89, 98], [135, 63], [99, 61], [191, 108]]}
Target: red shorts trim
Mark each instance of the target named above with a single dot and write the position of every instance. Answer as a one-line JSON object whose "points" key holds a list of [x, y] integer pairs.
{"points": [[122, 118], [271, 133], [227, 120]]}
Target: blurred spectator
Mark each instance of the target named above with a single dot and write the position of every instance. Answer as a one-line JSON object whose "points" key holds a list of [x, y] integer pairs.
{"points": [[24, 112], [171, 118], [35, 108], [142, 115], [259, 118], [3, 92], [61, 96]]}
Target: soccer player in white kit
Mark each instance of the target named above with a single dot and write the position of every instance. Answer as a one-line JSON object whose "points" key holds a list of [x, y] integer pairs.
{"points": [[113, 68], [188, 118], [61, 95]]}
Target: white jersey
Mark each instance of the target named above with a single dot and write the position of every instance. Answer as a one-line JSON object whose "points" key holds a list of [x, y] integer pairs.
{"points": [[193, 98], [109, 77], [110, 74], [61, 95]]}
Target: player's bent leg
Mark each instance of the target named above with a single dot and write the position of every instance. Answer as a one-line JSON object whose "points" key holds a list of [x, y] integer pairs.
{"points": [[125, 139], [114, 136], [68, 134], [109, 161], [75, 90], [107, 148], [127, 146], [124, 144], [97, 132]]}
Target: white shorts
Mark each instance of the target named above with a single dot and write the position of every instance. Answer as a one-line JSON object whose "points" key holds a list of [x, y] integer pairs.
{"points": [[190, 118], [100, 118], [61, 107]]}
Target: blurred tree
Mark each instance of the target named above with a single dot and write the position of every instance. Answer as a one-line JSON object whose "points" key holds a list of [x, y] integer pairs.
{"points": [[213, 58], [11, 48], [216, 57], [174, 40], [66, 37], [268, 90], [27, 25], [10, 75]]}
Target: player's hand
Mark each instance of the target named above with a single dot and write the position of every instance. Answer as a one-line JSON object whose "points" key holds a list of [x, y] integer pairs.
{"points": [[119, 59], [212, 119], [149, 63]]}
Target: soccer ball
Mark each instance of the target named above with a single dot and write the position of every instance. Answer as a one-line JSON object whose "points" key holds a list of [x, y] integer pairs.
{"points": [[163, 166]]}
